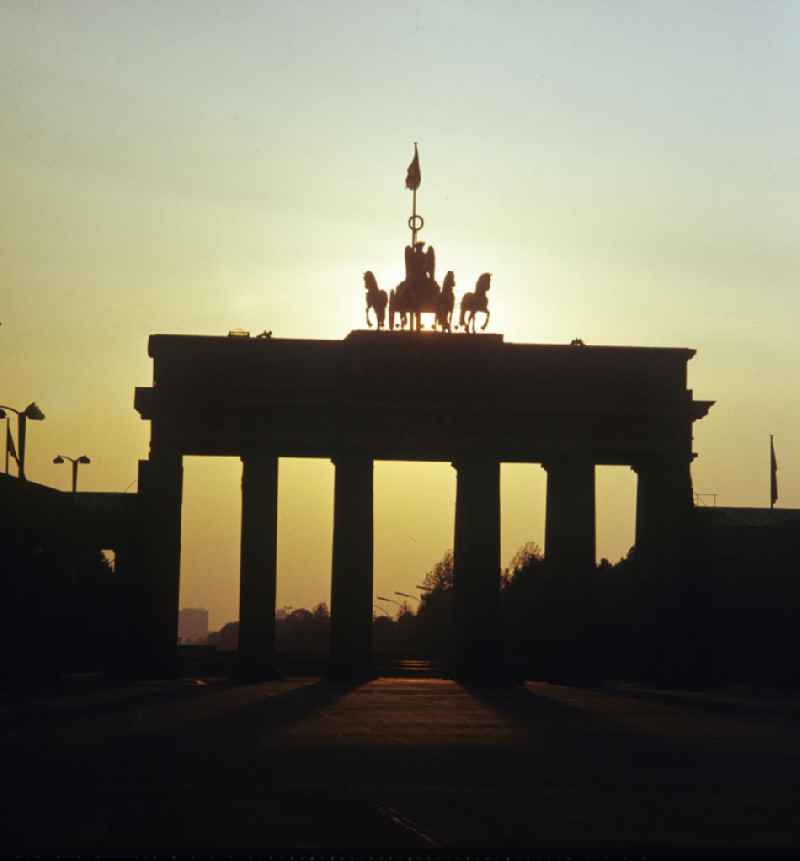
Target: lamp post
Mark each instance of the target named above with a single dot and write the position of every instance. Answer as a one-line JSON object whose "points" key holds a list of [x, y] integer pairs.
{"points": [[392, 601], [31, 412], [8, 439], [75, 461], [406, 595]]}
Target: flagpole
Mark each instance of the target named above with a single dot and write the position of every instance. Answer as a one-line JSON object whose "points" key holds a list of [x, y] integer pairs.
{"points": [[773, 474], [412, 182], [414, 204], [414, 217]]}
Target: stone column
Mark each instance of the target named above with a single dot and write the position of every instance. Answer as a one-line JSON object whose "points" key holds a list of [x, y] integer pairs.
{"points": [[351, 587], [641, 505], [159, 563], [257, 565], [569, 540], [478, 651], [674, 639], [663, 506]]}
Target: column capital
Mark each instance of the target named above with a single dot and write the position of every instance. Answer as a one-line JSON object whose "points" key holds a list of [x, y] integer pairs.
{"points": [[351, 457], [163, 449], [661, 460], [257, 454], [565, 460], [474, 461], [163, 455]]}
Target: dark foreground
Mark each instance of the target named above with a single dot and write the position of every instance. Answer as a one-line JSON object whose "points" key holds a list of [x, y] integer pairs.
{"points": [[399, 763]]}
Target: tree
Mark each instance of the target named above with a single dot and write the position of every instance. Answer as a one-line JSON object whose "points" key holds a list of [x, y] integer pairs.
{"points": [[441, 575], [527, 560], [434, 617]]}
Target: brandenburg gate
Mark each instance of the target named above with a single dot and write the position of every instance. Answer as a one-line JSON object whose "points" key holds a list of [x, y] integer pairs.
{"points": [[471, 400]]}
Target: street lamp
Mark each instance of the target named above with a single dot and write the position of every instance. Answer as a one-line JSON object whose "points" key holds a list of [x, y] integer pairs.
{"points": [[406, 595], [403, 607], [60, 458], [8, 439], [31, 412]]}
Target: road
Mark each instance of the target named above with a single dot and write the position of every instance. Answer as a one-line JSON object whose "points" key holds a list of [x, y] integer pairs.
{"points": [[397, 763]]}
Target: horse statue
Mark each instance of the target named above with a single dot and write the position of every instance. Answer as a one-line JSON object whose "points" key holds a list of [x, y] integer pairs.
{"points": [[419, 293], [447, 301], [376, 299], [472, 303]]}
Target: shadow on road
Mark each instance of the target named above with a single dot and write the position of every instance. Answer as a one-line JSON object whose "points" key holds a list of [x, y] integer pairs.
{"points": [[119, 785]]}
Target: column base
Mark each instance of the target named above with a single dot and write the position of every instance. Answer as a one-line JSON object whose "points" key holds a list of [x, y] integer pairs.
{"points": [[249, 671], [494, 676], [138, 671], [350, 674]]}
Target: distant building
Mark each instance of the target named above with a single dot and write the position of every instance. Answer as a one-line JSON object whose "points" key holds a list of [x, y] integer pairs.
{"points": [[193, 625]]}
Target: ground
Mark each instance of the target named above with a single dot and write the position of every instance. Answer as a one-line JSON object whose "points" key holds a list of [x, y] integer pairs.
{"points": [[397, 763]]}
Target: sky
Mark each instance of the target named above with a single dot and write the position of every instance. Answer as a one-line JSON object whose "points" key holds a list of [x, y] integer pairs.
{"points": [[627, 171]]}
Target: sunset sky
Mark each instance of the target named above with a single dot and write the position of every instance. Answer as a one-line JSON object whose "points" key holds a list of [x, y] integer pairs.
{"points": [[628, 171]]}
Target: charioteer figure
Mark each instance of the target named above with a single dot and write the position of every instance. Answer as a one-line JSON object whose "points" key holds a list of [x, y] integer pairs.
{"points": [[420, 270]]}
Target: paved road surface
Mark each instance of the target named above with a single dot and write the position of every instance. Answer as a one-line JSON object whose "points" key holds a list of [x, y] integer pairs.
{"points": [[405, 763]]}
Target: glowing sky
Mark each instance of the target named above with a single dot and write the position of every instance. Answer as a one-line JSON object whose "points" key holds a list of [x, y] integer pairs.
{"points": [[627, 171]]}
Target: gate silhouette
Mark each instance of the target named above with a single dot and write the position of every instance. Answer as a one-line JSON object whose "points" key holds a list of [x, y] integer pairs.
{"points": [[473, 401]]}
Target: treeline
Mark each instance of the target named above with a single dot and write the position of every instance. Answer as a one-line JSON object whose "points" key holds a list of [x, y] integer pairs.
{"points": [[66, 611], [709, 621], [715, 619], [307, 632], [300, 631], [705, 622]]}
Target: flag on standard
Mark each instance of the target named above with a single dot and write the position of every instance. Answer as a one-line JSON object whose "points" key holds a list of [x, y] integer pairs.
{"points": [[413, 175], [773, 475]]}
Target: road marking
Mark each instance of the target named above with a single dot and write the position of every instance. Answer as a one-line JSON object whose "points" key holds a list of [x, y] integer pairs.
{"points": [[398, 819]]}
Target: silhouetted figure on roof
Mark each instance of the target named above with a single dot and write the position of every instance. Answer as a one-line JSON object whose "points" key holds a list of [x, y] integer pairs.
{"points": [[376, 299], [472, 303], [420, 265], [418, 293]]}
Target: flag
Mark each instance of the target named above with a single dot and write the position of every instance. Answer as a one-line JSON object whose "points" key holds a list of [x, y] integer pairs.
{"points": [[773, 475], [413, 175], [11, 450]]}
